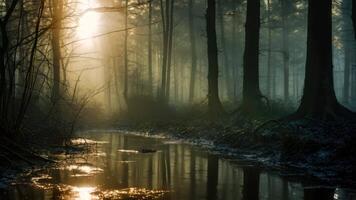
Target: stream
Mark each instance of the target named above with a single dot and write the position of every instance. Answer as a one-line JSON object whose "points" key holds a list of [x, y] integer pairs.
{"points": [[127, 166]]}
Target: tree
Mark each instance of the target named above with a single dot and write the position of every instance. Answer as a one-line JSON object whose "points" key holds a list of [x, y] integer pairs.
{"points": [[57, 13], [251, 99], [319, 99], [126, 60], [285, 7], [150, 79], [170, 47], [348, 36], [193, 51], [226, 67], [214, 104], [270, 74], [354, 16], [167, 27], [347, 69]]}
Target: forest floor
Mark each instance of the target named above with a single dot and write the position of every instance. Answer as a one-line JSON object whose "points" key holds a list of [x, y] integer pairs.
{"points": [[319, 150]]}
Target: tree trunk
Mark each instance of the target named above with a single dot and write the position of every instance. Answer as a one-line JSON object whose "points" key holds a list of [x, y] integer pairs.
{"points": [[175, 77], [170, 48], [285, 40], [126, 60], [269, 51], [164, 53], [214, 104], [56, 49], [116, 82], [354, 16], [193, 51], [108, 89], [150, 79], [166, 38], [319, 100], [225, 52], [347, 63], [251, 101], [236, 54]]}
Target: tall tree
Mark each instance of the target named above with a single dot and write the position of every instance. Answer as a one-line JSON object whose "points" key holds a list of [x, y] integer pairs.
{"points": [[214, 104], [226, 67], [126, 60], [57, 13], [347, 67], [150, 79], [348, 36], [354, 16], [251, 90], [5, 67], [270, 74], [164, 51], [170, 24], [167, 31], [319, 99], [193, 51], [285, 7], [235, 52]]}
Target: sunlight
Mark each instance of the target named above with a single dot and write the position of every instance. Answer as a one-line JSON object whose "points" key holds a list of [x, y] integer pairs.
{"points": [[89, 21], [84, 193], [88, 25], [84, 170]]}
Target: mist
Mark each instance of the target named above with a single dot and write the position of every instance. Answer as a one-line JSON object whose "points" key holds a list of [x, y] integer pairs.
{"points": [[148, 91]]}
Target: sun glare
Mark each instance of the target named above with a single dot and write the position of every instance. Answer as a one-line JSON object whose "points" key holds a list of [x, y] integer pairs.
{"points": [[84, 193], [88, 24], [89, 21]]}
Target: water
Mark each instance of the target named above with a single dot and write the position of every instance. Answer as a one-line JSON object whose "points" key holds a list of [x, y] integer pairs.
{"points": [[119, 166]]}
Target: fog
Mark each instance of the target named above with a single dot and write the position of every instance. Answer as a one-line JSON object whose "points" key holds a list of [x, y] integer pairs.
{"points": [[95, 51]]}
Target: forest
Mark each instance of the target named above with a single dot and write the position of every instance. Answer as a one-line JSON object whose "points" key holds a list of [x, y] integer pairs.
{"points": [[178, 99]]}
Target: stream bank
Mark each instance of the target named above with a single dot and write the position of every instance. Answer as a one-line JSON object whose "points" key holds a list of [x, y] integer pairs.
{"points": [[319, 150]]}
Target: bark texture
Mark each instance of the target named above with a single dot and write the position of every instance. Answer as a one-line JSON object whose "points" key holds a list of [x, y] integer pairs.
{"points": [[319, 99], [214, 104], [251, 101]]}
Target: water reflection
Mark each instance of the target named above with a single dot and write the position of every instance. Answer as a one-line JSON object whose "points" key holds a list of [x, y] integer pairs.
{"points": [[311, 193], [251, 183], [83, 193], [133, 167]]}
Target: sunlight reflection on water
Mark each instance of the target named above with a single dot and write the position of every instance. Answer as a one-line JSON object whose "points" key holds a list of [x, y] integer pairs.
{"points": [[122, 169], [84, 193], [84, 169]]}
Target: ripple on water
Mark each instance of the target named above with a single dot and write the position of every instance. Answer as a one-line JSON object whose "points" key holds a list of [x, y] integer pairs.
{"points": [[83, 169], [128, 151]]}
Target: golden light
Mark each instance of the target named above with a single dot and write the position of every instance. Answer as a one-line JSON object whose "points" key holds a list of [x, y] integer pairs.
{"points": [[84, 193], [88, 25], [89, 20]]}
